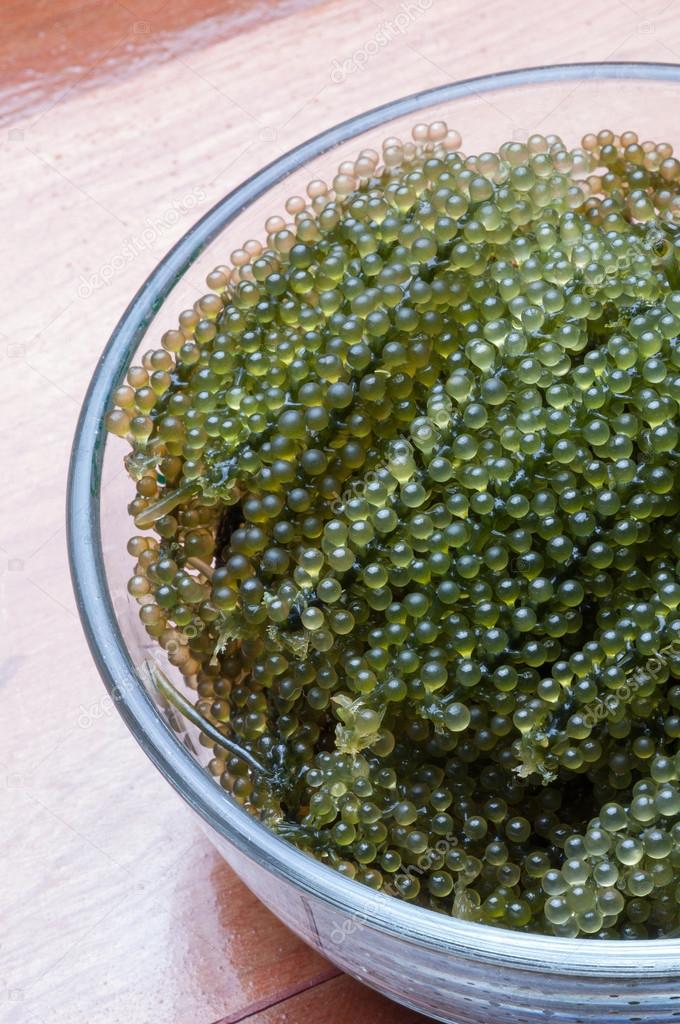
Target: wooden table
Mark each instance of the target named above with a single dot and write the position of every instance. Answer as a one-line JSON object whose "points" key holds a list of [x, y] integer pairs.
{"points": [[113, 906]]}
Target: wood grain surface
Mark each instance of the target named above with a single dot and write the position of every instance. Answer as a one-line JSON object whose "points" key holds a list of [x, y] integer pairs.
{"points": [[113, 906]]}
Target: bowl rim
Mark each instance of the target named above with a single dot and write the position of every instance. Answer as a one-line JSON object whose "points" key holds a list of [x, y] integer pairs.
{"points": [[375, 910]]}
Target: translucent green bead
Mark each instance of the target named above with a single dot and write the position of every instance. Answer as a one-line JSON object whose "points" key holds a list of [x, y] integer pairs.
{"points": [[457, 717]]}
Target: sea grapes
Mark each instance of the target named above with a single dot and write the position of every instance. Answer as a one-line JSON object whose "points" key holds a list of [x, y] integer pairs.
{"points": [[407, 495]]}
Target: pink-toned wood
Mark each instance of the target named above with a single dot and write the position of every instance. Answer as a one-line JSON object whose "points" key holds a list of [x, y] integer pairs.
{"points": [[114, 908], [339, 999]]}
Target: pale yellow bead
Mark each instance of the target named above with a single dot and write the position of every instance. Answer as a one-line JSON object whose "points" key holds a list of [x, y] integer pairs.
{"points": [[537, 144], [295, 204], [437, 131], [274, 224], [118, 422], [137, 377], [393, 156], [580, 164], [217, 279], [652, 160], [319, 203], [317, 188], [669, 169], [124, 396], [370, 154], [239, 257], [343, 184], [284, 240], [563, 161], [188, 320], [210, 306], [364, 168], [489, 164]]}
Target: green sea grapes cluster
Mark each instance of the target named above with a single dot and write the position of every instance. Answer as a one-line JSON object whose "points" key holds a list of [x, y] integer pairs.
{"points": [[408, 502]]}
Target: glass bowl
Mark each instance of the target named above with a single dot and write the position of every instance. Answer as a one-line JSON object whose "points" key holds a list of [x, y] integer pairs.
{"points": [[451, 969]]}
